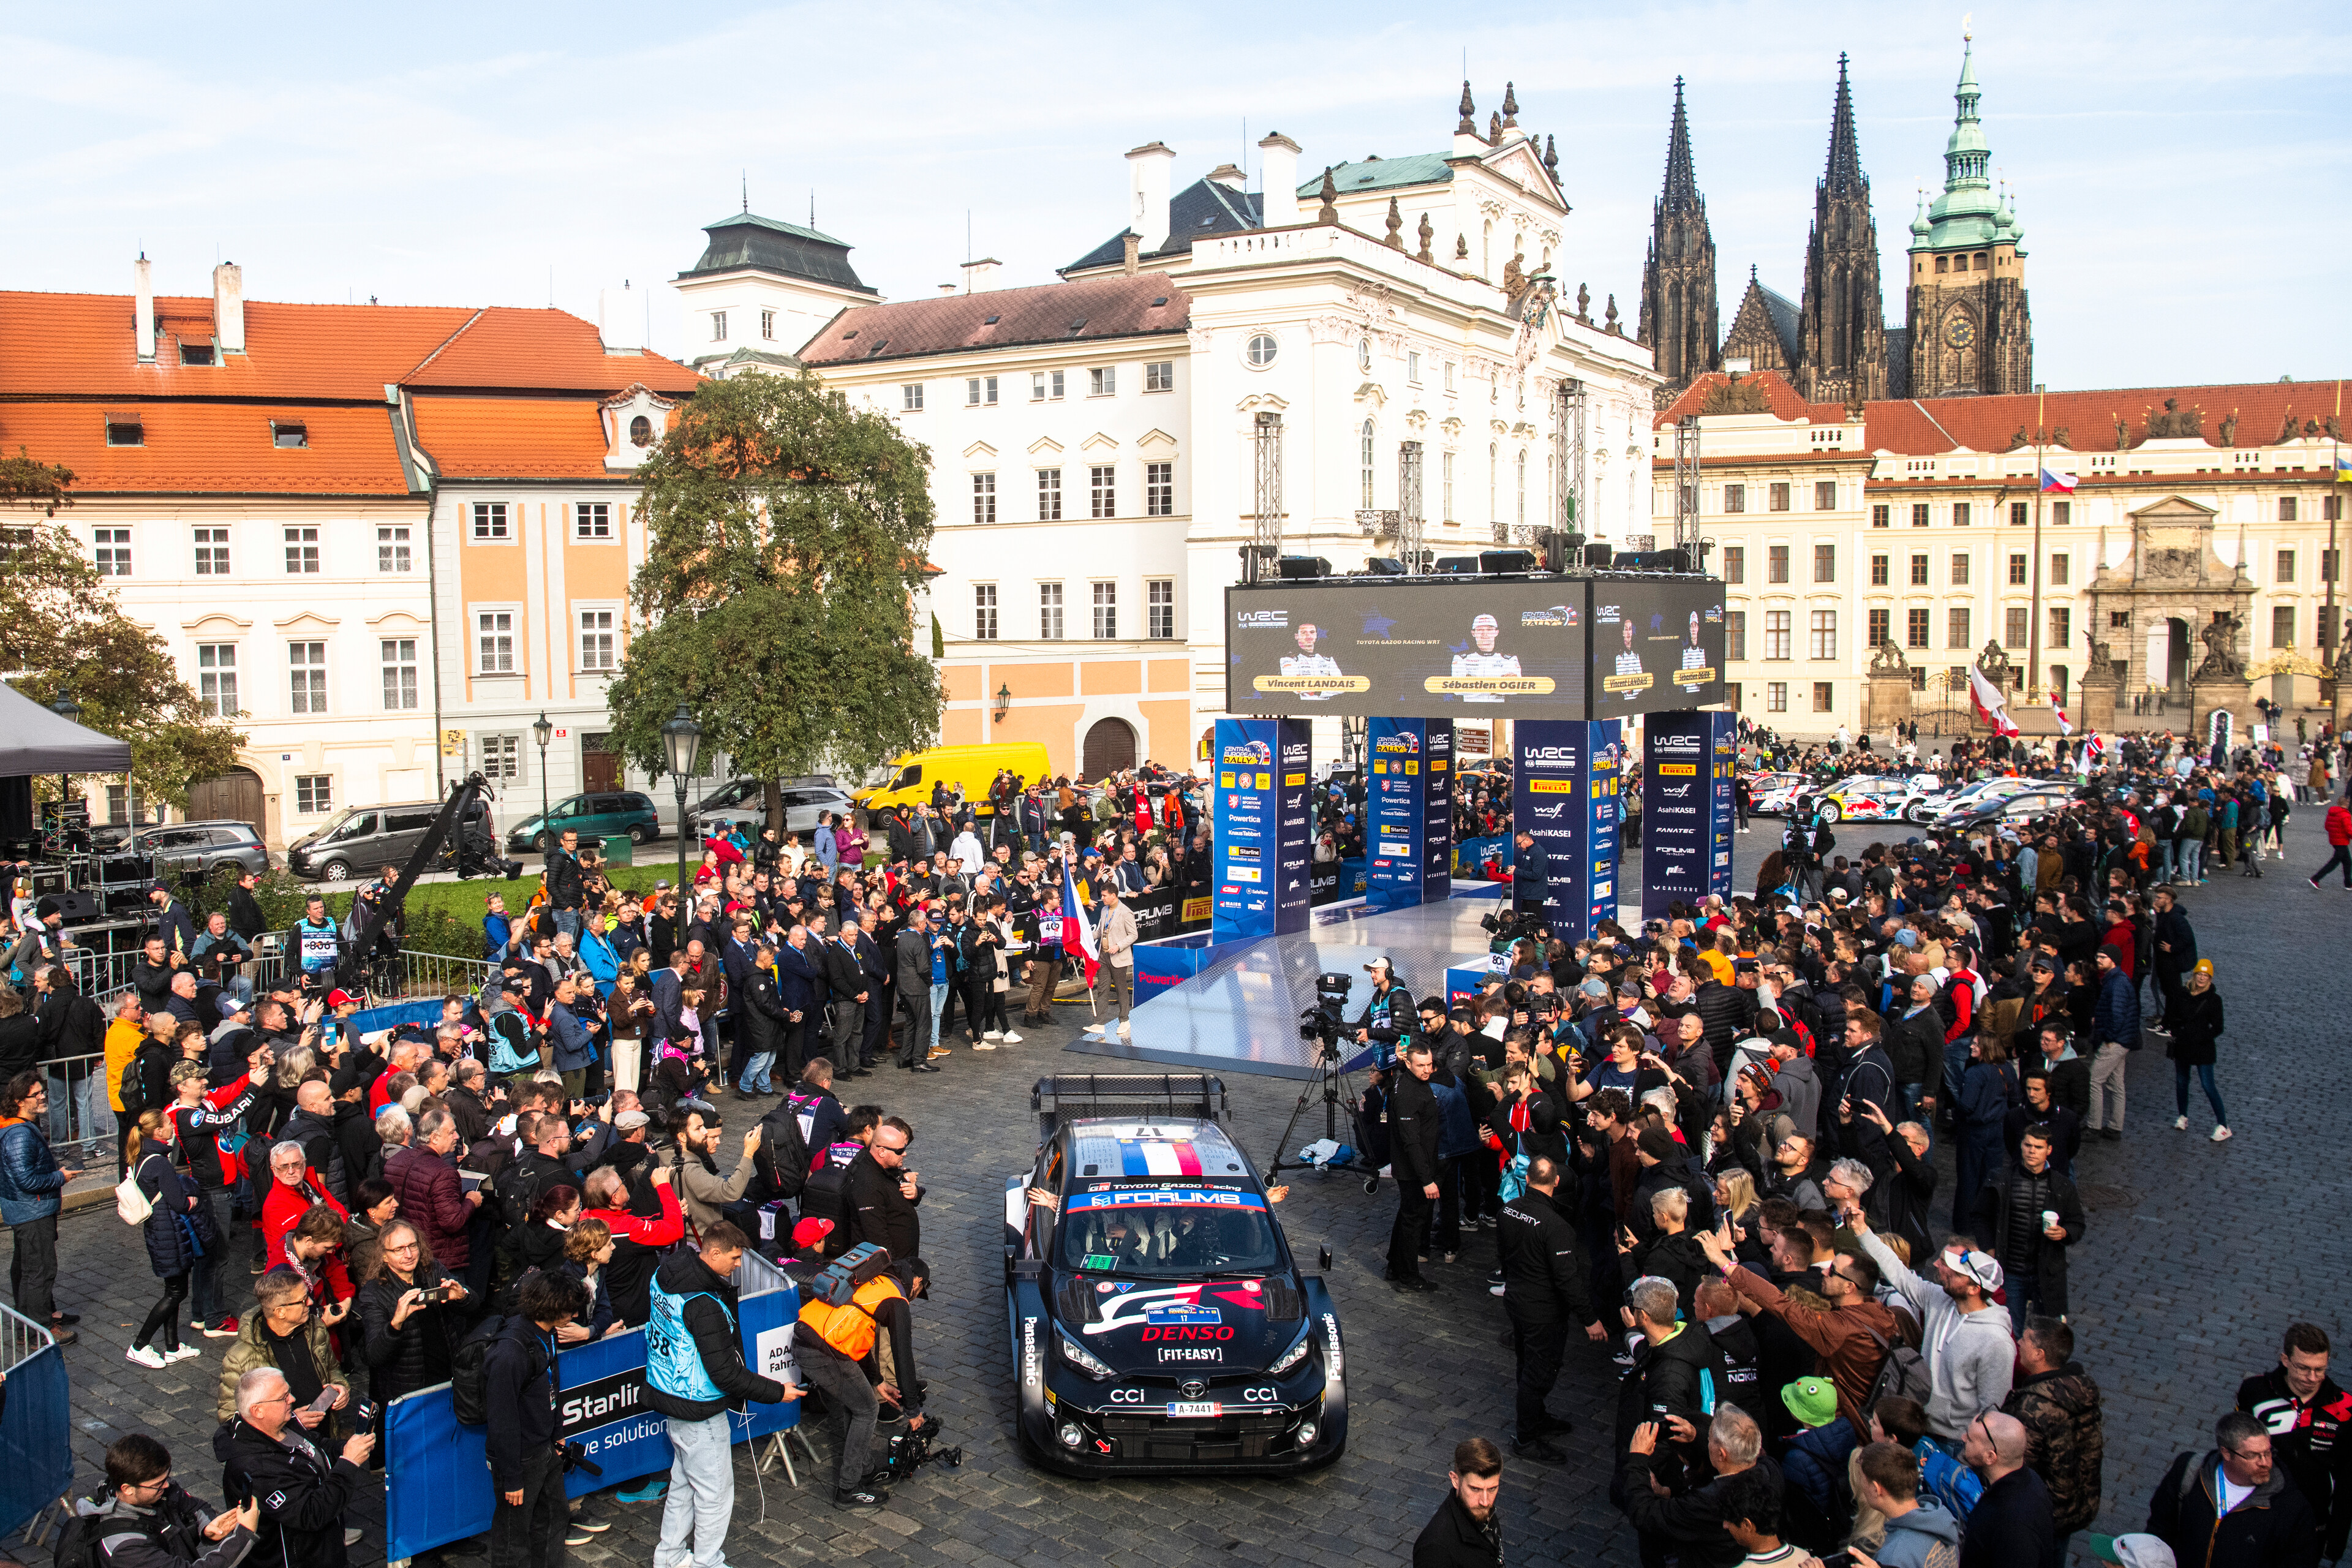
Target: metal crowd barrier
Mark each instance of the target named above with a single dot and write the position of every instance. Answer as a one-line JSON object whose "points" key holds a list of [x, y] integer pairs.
{"points": [[37, 1462]]}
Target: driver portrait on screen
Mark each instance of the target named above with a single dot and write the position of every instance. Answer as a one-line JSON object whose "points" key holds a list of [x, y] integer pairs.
{"points": [[1629, 663], [1484, 661], [1694, 657], [1306, 661]]}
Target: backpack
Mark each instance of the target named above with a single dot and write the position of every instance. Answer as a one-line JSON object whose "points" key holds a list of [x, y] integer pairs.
{"points": [[132, 1089], [510, 1048], [77, 1538], [821, 1192], [469, 1373], [1903, 1374], [783, 1155]]}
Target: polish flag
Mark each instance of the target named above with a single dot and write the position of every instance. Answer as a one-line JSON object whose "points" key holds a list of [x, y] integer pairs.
{"points": [[1985, 698], [1075, 924], [2053, 482]]}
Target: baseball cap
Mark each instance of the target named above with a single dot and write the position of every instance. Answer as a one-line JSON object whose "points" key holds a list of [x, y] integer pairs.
{"points": [[1380, 963], [1811, 1400], [1487, 621], [1840, 894], [809, 1232], [1596, 989], [1980, 1266], [341, 999], [2142, 1551]]}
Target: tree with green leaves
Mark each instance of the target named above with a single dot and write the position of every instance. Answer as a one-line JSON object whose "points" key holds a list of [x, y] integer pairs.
{"points": [[787, 534], [62, 630]]}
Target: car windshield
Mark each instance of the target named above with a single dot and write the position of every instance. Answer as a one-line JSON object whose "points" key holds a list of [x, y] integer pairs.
{"points": [[1152, 1232]]}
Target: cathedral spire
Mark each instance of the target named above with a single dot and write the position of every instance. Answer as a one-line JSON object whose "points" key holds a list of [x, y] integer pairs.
{"points": [[1845, 157], [1682, 183]]}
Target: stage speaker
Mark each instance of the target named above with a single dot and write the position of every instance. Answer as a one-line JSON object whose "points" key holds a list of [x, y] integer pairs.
{"points": [[1383, 566], [1298, 567], [1457, 565], [1501, 561], [1597, 554], [78, 907]]}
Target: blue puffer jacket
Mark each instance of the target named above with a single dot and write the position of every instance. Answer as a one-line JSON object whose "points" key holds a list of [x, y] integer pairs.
{"points": [[1457, 1130], [1814, 1463], [179, 1231], [30, 1177], [2117, 1015]]}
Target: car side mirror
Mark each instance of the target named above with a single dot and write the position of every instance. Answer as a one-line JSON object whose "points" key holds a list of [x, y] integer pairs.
{"points": [[1323, 1259]]}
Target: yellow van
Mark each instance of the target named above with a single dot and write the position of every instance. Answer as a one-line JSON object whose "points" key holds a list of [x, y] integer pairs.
{"points": [[973, 767]]}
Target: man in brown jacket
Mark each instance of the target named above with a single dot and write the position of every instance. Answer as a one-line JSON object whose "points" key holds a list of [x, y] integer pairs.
{"points": [[1115, 935], [1842, 1336]]}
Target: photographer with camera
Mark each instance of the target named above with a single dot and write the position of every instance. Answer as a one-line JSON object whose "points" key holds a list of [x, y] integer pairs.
{"points": [[525, 1449], [411, 1315], [1389, 1018]]}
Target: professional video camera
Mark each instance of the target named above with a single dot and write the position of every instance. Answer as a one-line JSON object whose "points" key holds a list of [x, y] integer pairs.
{"points": [[1509, 923], [1328, 1018]]}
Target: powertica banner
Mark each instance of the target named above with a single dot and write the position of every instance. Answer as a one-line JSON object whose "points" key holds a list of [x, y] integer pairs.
{"points": [[1260, 833], [1564, 791], [1686, 818], [1409, 807]]}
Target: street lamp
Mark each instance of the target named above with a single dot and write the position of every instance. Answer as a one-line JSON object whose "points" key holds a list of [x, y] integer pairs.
{"points": [[1004, 701], [682, 743], [540, 731], [67, 708]]}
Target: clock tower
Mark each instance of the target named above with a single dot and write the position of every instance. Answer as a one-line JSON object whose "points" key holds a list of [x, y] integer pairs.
{"points": [[1969, 328]]}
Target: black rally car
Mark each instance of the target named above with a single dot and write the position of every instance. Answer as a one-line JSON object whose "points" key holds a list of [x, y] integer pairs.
{"points": [[1158, 1324]]}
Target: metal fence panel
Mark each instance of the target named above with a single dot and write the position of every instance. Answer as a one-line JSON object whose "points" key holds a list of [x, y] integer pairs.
{"points": [[36, 1457]]}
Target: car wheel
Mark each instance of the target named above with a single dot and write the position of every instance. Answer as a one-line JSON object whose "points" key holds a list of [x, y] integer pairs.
{"points": [[335, 871], [1917, 811], [639, 835], [542, 844], [1833, 812]]}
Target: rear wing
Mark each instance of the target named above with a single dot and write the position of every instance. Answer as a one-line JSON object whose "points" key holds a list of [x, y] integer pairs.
{"points": [[1144, 1097]]}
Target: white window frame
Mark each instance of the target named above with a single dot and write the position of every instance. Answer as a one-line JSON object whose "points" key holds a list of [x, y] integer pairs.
{"points": [[500, 662], [302, 558], [593, 522], [1102, 381], [984, 624], [718, 326], [395, 553], [217, 679], [307, 686], [1159, 607], [1102, 490], [211, 552], [110, 549], [1160, 490], [397, 658], [1046, 386], [1049, 612], [490, 523], [1413, 367], [1160, 375], [1104, 597], [910, 397], [983, 498], [313, 794], [1049, 495], [500, 755], [980, 392], [768, 325], [600, 639]]}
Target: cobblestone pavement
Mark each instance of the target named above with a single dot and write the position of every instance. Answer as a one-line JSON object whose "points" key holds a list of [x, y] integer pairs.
{"points": [[2198, 1254]]}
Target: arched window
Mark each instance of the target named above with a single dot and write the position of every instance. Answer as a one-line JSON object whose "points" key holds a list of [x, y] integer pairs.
{"points": [[1943, 264], [641, 431], [1520, 505], [1364, 456], [1364, 355]]}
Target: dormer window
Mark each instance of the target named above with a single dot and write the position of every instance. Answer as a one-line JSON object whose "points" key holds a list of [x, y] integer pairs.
{"points": [[283, 434], [125, 430], [195, 353], [641, 431]]}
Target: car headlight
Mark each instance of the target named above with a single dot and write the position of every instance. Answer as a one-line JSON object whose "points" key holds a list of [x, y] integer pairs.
{"points": [[1078, 1356], [1294, 1355]]}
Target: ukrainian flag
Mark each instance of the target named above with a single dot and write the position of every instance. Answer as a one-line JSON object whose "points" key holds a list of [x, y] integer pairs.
{"points": [[2344, 470]]}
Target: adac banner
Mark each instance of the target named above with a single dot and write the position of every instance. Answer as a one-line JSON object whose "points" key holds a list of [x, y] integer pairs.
{"points": [[1687, 763], [439, 1480], [1259, 768], [1564, 791], [1409, 804]]}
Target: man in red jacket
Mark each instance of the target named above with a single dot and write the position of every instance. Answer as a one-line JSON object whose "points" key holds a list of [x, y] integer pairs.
{"points": [[294, 1190], [2339, 837], [636, 1241]]}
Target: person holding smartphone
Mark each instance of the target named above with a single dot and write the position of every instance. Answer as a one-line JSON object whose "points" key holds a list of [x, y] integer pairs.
{"points": [[409, 1314]]}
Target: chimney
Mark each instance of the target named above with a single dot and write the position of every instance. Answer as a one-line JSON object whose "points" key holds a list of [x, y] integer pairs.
{"points": [[948, 291], [980, 276], [1128, 237], [1225, 174], [1147, 195], [142, 290], [228, 307], [1278, 173], [620, 325]]}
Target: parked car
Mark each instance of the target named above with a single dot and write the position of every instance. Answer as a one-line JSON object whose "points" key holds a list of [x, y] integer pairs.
{"points": [[1980, 793], [359, 840], [2040, 800], [198, 849], [740, 800], [1773, 794], [605, 815], [1869, 799]]}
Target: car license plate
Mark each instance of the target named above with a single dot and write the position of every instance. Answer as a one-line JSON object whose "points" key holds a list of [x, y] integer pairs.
{"points": [[1207, 1408]]}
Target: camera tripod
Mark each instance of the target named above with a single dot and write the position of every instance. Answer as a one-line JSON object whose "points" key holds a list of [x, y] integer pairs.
{"points": [[1337, 1085]]}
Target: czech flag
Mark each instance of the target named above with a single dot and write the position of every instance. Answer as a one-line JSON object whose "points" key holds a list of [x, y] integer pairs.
{"points": [[2054, 482], [1076, 924]]}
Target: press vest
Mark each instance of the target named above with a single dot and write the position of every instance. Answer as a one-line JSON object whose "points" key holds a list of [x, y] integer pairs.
{"points": [[319, 943], [850, 1329], [672, 1363]]}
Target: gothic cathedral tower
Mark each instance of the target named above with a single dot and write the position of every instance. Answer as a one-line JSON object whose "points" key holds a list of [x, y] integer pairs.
{"points": [[1842, 328], [1678, 321], [1970, 331]]}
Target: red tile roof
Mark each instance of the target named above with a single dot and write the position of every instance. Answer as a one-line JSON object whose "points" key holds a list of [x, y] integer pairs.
{"points": [[542, 351], [2087, 419], [1089, 309], [212, 448], [514, 437]]}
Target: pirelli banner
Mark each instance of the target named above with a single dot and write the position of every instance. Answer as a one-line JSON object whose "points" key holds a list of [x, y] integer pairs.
{"points": [[1474, 648]]}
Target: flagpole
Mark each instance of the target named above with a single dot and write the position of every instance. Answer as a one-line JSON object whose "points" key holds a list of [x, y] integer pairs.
{"points": [[2328, 627], [2033, 614]]}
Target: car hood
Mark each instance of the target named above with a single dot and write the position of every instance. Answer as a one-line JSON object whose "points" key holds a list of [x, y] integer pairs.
{"points": [[305, 842], [1165, 1327]]}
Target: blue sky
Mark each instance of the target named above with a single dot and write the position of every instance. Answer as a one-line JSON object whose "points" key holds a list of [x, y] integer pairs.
{"points": [[2179, 169]]}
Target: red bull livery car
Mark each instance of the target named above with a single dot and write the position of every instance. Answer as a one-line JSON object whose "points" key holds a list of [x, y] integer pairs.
{"points": [[1159, 1323]]}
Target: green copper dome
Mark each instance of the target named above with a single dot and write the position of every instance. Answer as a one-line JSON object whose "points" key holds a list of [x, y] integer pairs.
{"points": [[1968, 212]]}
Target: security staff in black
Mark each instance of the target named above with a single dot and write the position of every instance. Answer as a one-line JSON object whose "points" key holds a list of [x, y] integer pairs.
{"points": [[524, 1444], [1389, 1018], [1414, 1128], [1543, 1291]]}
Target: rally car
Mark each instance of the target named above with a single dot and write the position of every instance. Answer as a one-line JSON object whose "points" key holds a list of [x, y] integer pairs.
{"points": [[1872, 799], [1773, 794], [1158, 1322]]}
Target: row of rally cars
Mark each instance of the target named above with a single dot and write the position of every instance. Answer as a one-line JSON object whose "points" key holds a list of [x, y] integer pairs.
{"points": [[1924, 799], [1158, 1320]]}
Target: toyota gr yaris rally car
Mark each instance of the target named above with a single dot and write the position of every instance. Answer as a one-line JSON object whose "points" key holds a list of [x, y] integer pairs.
{"points": [[1158, 1322]]}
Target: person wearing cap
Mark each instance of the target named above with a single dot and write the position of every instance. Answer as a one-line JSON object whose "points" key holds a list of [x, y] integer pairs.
{"points": [[2195, 1019], [1388, 1018], [1813, 1459], [1481, 660], [1971, 1356]]}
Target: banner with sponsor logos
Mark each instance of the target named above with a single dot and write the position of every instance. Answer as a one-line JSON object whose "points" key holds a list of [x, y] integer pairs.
{"points": [[1686, 816], [1415, 648], [1261, 828], [1409, 822], [1564, 791]]}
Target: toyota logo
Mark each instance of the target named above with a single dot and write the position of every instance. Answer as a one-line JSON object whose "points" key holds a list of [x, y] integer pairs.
{"points": [[1193, 1388]]}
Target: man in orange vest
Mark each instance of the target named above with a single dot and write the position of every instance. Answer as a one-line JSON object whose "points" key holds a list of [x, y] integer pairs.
{"points": [[838, 1349]]}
